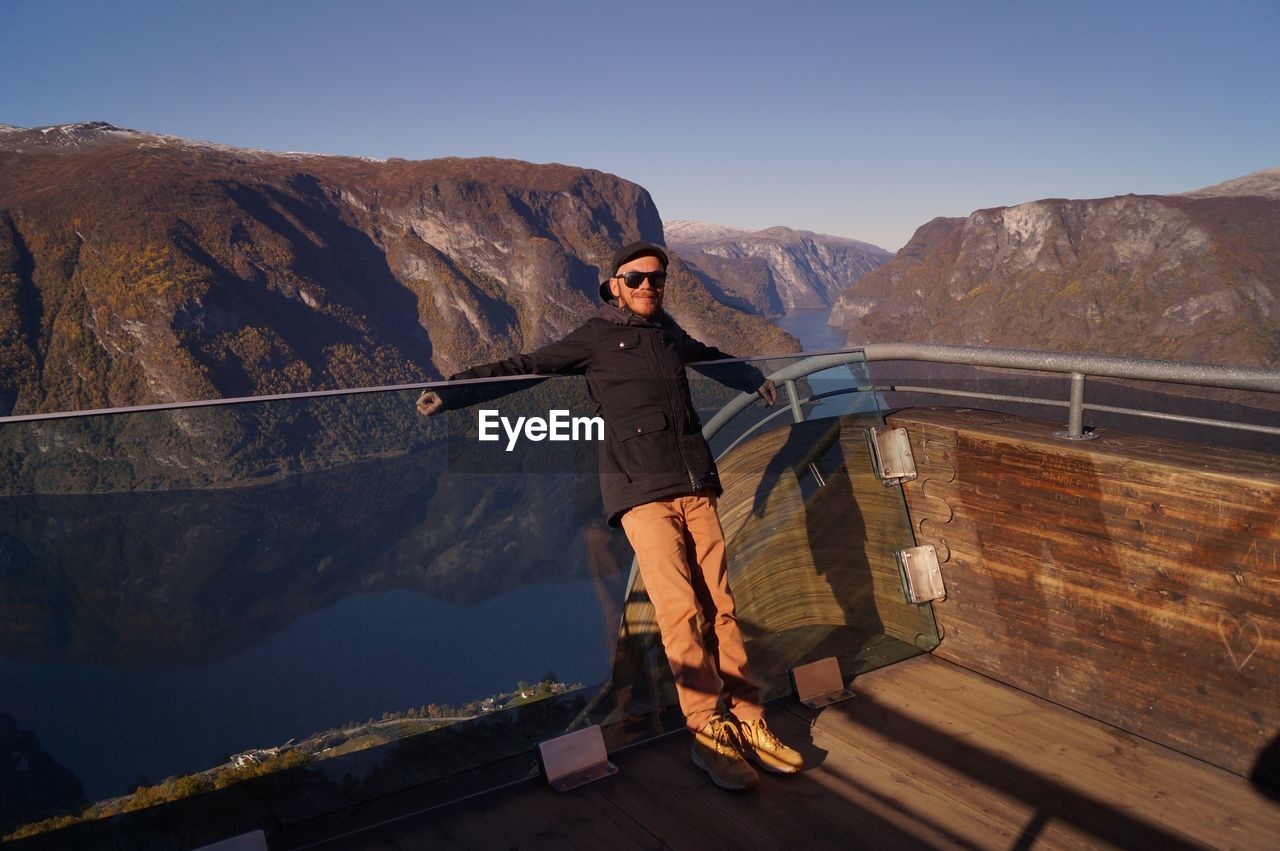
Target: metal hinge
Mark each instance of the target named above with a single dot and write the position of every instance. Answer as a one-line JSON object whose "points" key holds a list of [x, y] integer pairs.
{"points": [[891, 454], [921, 574], [575, 759]]}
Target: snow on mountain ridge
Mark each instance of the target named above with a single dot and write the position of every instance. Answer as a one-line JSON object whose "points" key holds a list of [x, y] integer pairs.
{"points": [[777, 268], [88, 132], [1265, 182], [686, 230], [697, 234]]}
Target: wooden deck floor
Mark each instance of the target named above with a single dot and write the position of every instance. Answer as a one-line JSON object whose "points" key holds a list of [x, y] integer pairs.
{"points": [[927, 755]]}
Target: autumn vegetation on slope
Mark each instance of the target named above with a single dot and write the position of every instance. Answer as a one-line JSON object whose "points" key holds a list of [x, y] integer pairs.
{"points": [[137, 269]]}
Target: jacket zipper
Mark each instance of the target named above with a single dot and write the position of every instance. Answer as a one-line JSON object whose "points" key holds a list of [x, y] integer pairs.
{"points": [[671, 398]]}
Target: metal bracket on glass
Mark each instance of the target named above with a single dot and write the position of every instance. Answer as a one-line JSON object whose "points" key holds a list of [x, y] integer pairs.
{"points": [[891, 454], [819, 684], [575, 759], [921, 574]]}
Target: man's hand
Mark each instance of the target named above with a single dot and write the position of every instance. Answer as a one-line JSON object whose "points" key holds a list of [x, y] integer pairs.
{"points": [[428, 403], [768, 392]]}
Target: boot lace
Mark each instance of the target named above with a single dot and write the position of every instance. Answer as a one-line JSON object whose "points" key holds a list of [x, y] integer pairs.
{"points": [[725, 738], [764, 735]]}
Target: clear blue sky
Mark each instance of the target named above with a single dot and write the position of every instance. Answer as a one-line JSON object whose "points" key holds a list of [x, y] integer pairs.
{"points": [[858, 119]]}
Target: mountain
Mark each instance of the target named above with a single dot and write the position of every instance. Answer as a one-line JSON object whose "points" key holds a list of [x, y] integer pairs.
{"points": [[140, 268], [1192, 277], [775, 269]]}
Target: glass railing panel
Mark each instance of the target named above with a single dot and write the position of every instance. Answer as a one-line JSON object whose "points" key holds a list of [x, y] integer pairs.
{"points": [[283, 609], [829, 392], [334, 592], [812, 531]]}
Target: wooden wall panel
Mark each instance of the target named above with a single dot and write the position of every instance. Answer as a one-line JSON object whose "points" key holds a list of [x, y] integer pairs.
{"points": [[1132, 579]]}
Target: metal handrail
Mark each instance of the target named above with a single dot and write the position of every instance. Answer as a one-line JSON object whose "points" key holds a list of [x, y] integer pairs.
{"points": [[1103, 366], [1075, 366], [998, 397], [245, 400]]}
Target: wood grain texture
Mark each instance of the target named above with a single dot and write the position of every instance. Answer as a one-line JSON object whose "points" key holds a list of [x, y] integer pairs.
{"points": [[1132, 579], [804, 554], [998, 768]]}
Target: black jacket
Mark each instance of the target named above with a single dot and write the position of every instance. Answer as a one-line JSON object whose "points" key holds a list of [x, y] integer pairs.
{"points": [[635, 369]]}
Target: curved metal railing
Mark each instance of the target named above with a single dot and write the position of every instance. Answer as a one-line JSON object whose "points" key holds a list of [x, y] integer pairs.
{"points": [[1075, 367]]}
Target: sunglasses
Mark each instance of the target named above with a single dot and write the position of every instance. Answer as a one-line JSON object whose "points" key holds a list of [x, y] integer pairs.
{"points": [[657, 280]]}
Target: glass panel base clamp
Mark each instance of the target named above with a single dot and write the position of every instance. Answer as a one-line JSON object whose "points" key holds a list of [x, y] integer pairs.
{"points": [[575, 759], [254, 840], [819, 684]]}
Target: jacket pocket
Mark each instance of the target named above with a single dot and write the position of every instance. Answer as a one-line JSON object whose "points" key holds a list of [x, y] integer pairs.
{"points": [[623, 354], [642, 443], [637, 425], [625, 340]]}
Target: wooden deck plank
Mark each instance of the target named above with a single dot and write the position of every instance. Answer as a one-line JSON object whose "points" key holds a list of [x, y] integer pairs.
{"points": [[685, 810], [530, 815], [680, 806], [927, 754], [1085, 776], [870, 773], [976, 803]]}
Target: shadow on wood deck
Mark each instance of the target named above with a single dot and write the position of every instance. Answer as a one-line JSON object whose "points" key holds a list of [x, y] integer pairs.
{"points": [[928, 754]]}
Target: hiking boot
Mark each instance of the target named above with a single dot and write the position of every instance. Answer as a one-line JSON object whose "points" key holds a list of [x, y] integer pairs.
{"points": [[763, 746], [715, 751]]}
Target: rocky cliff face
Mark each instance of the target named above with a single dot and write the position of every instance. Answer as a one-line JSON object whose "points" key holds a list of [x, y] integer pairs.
{"points": [[776, 269], [139, 268], [1192, 277]]}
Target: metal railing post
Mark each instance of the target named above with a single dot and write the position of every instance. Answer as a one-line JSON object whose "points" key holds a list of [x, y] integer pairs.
{"points": [[793, 395], [1075, 414], [1075, 411]]}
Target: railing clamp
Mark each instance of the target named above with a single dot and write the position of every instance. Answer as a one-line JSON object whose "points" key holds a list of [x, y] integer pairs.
{"points": [[819, 683], [891, 454], [921, 574], [575, 759]]}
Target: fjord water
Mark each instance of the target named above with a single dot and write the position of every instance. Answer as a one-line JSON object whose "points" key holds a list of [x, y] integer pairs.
{"points": [[356, 659], [809, 326]]}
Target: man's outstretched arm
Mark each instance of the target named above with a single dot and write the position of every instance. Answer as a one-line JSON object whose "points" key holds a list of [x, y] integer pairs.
{"points": [[568, 356], [740, 376]]}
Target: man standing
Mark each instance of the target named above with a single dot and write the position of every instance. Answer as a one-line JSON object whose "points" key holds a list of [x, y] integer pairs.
{"points": [[659, 482]]}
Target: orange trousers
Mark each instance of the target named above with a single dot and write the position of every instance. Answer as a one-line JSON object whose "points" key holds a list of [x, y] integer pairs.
{"points": [[681, 555]]}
